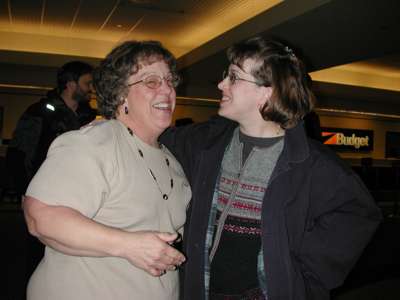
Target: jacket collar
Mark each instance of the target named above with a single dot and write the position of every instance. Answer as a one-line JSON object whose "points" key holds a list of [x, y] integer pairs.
{"points": [[220, 132], [54, 99], [296, 148]]}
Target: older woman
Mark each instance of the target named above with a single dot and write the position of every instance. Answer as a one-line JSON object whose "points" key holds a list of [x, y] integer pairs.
{"points": [[109, 200]]}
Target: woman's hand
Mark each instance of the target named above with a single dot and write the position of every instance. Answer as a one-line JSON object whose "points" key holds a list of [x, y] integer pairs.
{"points": [[68, 231], [151, 251]]}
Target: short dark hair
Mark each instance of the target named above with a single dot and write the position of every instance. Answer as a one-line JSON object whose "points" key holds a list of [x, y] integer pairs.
{"points": [[279, 67], [110, 79], [72, 71]]}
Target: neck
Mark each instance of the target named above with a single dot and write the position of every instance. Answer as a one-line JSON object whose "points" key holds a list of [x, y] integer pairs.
{"points": [[265, 129], [69, 101], [147, 136]]}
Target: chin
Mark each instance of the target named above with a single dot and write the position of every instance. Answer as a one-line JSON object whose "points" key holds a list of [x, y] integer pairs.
{"points": [[164, 124], [222, 112], [228, 116]]}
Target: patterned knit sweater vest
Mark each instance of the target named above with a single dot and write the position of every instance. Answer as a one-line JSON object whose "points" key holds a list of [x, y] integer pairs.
{"points": [[237, 240]]}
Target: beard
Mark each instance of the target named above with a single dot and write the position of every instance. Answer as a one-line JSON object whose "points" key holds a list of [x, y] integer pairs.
{"points": [[80, 96]]}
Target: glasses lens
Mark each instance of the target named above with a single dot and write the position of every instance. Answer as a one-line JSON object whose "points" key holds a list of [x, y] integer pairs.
{"points": [[173, 81], [153, 81], [231, 76]]}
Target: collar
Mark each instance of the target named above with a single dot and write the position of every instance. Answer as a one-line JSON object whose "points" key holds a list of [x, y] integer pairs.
{"points": [[220, 132], [296, 148]]}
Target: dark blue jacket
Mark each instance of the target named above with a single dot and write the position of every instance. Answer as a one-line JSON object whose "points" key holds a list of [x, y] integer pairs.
{"points": [[38, 126], [317, 216]]}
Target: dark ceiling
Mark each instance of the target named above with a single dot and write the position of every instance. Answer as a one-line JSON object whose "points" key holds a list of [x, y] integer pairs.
{"points": [[336, 33], [328, 33]]}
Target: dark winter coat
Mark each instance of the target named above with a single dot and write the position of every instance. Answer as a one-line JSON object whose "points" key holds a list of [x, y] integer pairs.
{"points": [[317, 216], [38, 126]]}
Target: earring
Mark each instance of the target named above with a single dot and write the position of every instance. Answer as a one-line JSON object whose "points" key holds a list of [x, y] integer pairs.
{"points": [[126, 110]]}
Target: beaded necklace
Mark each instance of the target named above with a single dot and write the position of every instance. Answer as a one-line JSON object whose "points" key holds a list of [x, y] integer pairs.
{"points": [[165, 196]]}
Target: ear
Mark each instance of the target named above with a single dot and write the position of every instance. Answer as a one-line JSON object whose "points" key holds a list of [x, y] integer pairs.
{"points": [[71, 85], [125, 103], [266, 93], [123, 107]]}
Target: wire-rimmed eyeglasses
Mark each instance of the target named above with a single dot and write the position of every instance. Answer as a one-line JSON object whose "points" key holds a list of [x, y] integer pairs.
{"points": [[155, 81], [233, 77]]}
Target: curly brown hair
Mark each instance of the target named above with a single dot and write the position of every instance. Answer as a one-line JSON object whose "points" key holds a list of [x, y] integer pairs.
{"points": [[110, 79], [278, 67]]}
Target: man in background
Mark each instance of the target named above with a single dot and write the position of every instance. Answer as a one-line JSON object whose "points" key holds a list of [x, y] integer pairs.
{"points": [[63, 109]]}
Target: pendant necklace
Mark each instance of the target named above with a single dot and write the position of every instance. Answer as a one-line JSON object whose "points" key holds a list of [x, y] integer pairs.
{"points": [[165, 196]]}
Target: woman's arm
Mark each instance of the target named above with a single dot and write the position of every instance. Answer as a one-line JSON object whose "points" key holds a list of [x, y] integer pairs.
{"points": [[342, 226], [68, 231]]}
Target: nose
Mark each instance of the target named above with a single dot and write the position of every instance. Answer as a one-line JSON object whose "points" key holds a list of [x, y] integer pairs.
{"points": [[91, 92], [222, 83]]}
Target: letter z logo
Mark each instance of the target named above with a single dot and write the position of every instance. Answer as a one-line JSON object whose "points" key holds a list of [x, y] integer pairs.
{"points": [[329, 138]]}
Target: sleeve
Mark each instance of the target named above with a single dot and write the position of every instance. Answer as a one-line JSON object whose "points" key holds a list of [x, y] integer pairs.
{"points": [[73, 175], [179, 140], [26, 138], [187, 142], [345, 217]]}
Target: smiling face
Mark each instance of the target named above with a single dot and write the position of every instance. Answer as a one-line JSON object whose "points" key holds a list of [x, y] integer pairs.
{"points": [[241, 101], [150, 109]]}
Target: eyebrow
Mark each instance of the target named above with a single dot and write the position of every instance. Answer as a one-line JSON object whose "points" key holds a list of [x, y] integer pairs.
{"points": [[147, 74], [238, 67]]}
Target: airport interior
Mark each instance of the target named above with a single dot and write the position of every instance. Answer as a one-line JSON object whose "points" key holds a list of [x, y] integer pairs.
{"points": [[352, 53]]}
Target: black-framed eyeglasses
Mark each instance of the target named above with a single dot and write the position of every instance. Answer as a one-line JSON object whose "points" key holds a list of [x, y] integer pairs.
{"points": [[233, 77], [155, 81]]}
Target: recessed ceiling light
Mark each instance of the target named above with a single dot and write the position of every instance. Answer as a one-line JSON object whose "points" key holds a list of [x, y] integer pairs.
{"points": [[119, 25]]}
